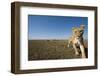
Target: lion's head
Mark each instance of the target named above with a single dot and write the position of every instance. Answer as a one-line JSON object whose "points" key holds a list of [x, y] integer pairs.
{"points": [[78, 31]]}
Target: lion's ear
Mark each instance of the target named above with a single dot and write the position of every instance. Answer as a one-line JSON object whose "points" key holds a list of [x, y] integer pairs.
{"points": [[82, 27]]}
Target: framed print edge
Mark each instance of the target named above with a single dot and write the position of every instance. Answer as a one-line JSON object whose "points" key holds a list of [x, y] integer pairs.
{"points": [[15, 37], [96, 37]]}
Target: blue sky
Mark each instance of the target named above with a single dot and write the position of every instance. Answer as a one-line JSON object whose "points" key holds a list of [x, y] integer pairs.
{"points": [[54, 27]]}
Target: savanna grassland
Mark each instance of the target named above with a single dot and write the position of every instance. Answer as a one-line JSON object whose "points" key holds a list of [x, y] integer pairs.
{"points": [[50, 49]]}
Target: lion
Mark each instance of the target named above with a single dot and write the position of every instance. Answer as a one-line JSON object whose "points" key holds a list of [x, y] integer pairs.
{"points": [[77, 40]]}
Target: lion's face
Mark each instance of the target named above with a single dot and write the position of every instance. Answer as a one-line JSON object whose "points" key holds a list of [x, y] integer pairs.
{"points": [[78, 31]]}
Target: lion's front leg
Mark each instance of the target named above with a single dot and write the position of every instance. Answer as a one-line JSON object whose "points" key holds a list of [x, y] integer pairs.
{"points": [[76, 50], [68, 43], [82, 51]]}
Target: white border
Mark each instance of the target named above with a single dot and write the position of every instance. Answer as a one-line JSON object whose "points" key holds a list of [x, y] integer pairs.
{"points": [[25, 64]]}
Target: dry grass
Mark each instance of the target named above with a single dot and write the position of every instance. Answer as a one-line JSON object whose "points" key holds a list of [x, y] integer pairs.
{"points": [[50, 49]]}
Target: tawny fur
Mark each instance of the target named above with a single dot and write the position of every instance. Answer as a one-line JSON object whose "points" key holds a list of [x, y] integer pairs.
{"points": [[77, 40]]}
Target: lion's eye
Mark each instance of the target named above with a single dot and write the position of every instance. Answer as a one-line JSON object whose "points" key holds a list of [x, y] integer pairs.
{"points": [[75, 31], [81, 31]]}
